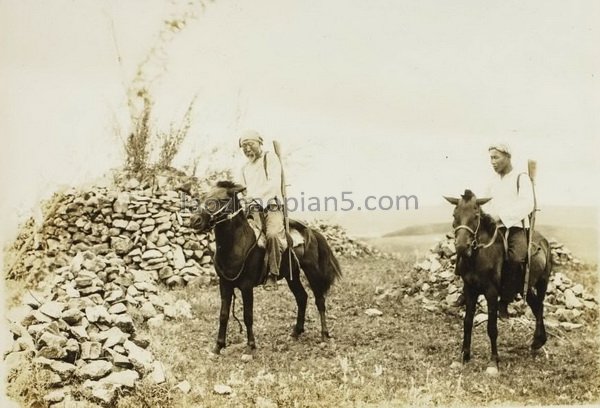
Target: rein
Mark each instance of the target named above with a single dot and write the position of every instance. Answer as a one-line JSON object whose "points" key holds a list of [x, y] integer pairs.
{"points": [[475, 244], [228, 217]]}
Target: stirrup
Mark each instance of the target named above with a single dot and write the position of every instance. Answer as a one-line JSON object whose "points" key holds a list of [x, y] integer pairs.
{"points": [[270, 283]]}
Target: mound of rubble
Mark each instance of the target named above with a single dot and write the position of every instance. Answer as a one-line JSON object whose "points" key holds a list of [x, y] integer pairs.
{"points": [[344, 245], [566, 301], [109, 255]]}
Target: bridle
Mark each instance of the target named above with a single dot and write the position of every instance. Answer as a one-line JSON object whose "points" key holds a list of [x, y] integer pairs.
{"points": [[220, 215], [475, 244]]}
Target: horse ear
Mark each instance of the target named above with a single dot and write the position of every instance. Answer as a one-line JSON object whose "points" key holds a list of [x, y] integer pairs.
{"points": [[451, 200], [482, 201], [238, 188]]}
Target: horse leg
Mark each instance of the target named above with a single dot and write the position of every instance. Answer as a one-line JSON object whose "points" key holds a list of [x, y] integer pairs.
{"points": [[470, 300], [248, 299], [301, 297], [226, 291], [320, 302], [318, 290], [536, 303], [492, 329]]}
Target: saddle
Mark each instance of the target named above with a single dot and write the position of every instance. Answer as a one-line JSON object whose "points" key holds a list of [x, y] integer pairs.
{"points": [[295, 233]]}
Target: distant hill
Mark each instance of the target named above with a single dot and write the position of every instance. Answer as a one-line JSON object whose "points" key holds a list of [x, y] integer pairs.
{"points": [[427, 229]]}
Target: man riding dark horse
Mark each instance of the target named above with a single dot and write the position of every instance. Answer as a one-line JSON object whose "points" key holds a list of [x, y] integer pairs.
{"points": [[512, 202], [261, 175]]}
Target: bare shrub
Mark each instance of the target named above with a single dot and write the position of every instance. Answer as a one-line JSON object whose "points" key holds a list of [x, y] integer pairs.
{"points": [[171, 141]]}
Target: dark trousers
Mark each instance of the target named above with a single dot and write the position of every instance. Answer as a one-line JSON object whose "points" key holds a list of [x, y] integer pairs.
{"points": [[513, 270]]}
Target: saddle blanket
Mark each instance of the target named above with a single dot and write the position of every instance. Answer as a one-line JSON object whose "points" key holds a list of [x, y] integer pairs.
{"points": [[297, 238]]}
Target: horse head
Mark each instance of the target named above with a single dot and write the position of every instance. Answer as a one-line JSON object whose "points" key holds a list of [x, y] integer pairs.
{"points": [[220, 204], [467, 220]]}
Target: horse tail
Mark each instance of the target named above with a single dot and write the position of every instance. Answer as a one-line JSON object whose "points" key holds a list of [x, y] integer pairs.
{"points": [[548, 269], [329, 267]]}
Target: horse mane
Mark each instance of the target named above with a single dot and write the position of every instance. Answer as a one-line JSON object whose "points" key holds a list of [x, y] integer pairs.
{"points": [[225, 184], [468, 195], [487, 222]]}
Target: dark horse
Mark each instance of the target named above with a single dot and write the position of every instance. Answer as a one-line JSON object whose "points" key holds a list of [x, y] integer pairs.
{"points": [[239, 261], [480, 257]]}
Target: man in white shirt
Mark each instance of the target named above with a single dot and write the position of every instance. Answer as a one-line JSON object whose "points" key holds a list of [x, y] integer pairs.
{"points": [[262, 177], [512, 202]]}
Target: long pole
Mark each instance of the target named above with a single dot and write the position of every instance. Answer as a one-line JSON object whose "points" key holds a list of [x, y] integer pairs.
{"points": [[286, 220], [531, 170]]}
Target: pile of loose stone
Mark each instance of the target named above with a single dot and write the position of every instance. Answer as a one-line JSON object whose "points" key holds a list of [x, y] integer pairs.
{"points": [[109, 253], [566, 302], [344, 245]]}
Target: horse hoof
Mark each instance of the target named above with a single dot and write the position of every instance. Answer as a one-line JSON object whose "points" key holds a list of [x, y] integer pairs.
{"points": [[325, 336], [297, 332], [537, 344], [491, 370]]}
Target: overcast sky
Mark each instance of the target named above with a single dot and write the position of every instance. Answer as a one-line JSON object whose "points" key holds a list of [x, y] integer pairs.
{"points": [[374, 97]]}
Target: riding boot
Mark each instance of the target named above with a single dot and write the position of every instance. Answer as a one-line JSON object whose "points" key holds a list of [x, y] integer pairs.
{"points": [[509, 287], [273, 263]]}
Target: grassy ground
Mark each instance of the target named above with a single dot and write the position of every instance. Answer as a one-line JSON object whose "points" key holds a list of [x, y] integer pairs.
{"points": [[401, 358]]}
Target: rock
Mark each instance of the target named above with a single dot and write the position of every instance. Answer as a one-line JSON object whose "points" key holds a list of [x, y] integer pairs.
{"points": [[373, 312], [152, 253], [79, 332], [119, 223], [94, 370], [491, 370], [90, 350], [247, 358], [570, 326], [112, 336], [53, 309], [577, 289], [184, 386], [52, 352], [72, 316], [138, 355], [147, 310], [103, 391], [52, 340], [222, 389], [165, 273], [117, 308], [571, 301], [119, 360], [122, 245], [124, 322], [97, 313], [57, 395], [65, 370], [132, 184], [156, 321], [132, 226], [480, 318], [158, 373], [264, 403], [126, 378], [452, 298], [435, 266], [178, 257], [114, 296]]}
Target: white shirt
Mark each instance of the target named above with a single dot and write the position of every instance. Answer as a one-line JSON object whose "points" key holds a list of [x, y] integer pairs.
{"points": [[509, 205], [260, 185]]}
